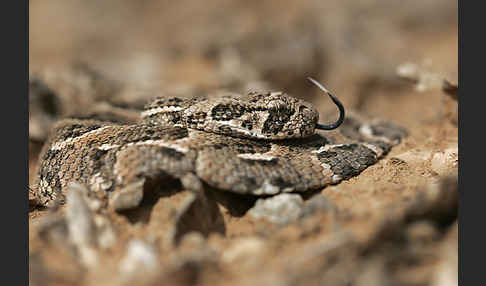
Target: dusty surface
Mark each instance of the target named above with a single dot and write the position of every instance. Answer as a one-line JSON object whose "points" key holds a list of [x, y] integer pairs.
{"points": [[394, 224]]}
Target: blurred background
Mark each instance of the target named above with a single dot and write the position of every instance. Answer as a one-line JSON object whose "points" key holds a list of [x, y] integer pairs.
{"points": [[353, 47]]}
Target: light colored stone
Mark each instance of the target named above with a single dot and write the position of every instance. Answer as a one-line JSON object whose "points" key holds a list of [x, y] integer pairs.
{"points": [[128, 197], [280, 209], [106, 234], [79, 217], [140, 258], [443, 161], [80, 223]]}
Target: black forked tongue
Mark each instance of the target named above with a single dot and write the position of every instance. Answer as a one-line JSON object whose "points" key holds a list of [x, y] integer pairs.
{"points": [[336, 101]]}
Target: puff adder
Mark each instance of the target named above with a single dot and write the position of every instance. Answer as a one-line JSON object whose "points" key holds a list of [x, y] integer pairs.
{"points": [[259, 144]]}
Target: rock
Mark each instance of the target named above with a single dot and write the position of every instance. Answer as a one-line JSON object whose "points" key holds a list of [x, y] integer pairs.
{"points": [[443, 161], [80, 223], [280, 209], [79, 218], [106, 237], [128, 197], [140, 259]]}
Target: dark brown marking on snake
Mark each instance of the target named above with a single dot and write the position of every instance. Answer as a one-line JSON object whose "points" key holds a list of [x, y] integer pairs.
{"points": [[276, 120], [348, 160], [226, 112]]}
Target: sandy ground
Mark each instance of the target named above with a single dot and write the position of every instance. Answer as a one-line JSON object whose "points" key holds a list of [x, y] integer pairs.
{"points": [[394, 224]]}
